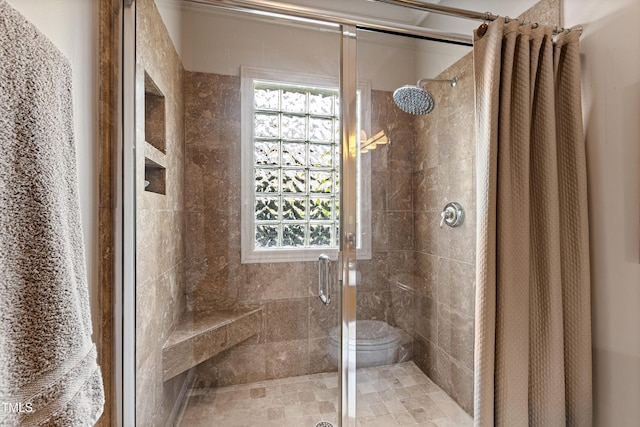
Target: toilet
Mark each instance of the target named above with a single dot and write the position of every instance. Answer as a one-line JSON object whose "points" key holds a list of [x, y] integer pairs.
{"points": [[377, 343]]}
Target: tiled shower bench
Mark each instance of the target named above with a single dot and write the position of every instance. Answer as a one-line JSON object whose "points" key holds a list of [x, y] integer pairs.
{"points": [[198, 337]]}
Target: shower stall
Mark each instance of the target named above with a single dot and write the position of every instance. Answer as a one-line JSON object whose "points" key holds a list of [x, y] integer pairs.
{"points": [[302, 240]]}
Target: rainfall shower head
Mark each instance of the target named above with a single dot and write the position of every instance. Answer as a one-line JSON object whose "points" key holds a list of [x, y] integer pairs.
{"points": [[415, 99]]}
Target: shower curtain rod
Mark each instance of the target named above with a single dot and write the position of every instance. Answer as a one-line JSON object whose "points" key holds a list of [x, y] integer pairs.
{"points": [[458, 13], [288, 11]]}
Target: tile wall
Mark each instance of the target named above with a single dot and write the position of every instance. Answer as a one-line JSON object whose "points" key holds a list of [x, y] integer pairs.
{"points": [[392, 200], [296, 326], [160, 253], [444, 171]]}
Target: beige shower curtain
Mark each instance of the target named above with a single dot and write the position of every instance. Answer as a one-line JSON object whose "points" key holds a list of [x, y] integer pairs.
{"points": [[533, 325]]}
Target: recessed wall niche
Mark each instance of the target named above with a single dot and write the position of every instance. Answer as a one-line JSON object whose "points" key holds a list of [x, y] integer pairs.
{"points": [[155, 138], [154, 115], [154, 177]]}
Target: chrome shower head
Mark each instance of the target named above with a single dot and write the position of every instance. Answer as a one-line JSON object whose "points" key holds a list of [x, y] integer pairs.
{"points": [[415, 99]]}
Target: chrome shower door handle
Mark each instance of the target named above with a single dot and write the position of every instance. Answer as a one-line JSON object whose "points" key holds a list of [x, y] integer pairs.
{"points": [[324, 278]]}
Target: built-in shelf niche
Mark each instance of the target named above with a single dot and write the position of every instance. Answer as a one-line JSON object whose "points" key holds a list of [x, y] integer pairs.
{"points": [[154, 115], [155, 177], [155, 172]]}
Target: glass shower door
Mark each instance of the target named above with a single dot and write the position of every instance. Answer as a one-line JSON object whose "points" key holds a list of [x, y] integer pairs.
{"points": [[238, 194], [415, 291]]}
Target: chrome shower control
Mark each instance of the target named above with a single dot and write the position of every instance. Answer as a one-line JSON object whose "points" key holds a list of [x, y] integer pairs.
{"points": [[452, 215]]}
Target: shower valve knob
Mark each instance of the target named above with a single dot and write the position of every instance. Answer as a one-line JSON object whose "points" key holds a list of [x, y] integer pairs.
{"points": [[452, 215]]}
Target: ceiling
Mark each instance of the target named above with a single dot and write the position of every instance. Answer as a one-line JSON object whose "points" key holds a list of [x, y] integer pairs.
{"points": [[405, 15]]}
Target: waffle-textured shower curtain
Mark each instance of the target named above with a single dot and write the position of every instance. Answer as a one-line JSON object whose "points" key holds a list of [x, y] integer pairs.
{"points": [[533, 322]]}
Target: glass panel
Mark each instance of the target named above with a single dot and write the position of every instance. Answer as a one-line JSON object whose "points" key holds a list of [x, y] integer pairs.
{"points": [[293, 127], [321, 129], [293, 208], [319, 209], [294, 154], [321, 104], [293, 234], [266, 126], [266, 236], [320, 235], [266, 208], [295, 102], [267, 99], [293, 181], [267, 89], [401, 239], [320, 155], [320, 182], [266, 180], [266, 153]]}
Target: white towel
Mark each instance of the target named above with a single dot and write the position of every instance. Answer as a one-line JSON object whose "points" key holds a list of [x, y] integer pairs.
{"points": [[48, 370]]}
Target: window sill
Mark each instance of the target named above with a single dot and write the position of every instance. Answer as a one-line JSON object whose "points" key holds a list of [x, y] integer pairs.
{"points": [[295, 255]]}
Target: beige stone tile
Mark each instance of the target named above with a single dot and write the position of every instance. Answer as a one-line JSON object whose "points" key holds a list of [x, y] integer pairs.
{"points": [[322, 317], [422, 414], [312, 398], [327, 407], [379, 185], [327, 395], [421, 389], [365, 387], [426, 270], [405, 419], [400, 230], [363, 411], [425, 189], [407, 380], [395, 406], [287, 320], [426, 320], [369, 399], [239, 364], [287, 358], [379, 409], [276, 413], [381, 421], [445, 422], [399, 196], [401, 393]]}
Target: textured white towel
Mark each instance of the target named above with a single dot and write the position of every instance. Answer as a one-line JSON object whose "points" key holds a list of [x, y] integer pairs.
{"points": [[48, 370]]}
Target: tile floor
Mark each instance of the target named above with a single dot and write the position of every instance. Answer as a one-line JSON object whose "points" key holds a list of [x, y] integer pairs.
{"points": [[392, 395]]}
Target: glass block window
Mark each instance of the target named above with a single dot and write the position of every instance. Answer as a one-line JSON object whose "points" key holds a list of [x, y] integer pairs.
{"points": [[296, 167]]}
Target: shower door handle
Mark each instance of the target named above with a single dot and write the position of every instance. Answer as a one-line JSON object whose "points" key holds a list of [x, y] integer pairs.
{"points": [[324, 278]]}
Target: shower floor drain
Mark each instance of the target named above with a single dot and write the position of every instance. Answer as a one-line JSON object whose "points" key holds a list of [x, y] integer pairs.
{"points": [[324, 424]]}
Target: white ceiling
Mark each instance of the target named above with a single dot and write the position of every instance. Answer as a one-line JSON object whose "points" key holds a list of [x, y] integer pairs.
{"points": [[366, 9], [442, 55], [405, 15]]}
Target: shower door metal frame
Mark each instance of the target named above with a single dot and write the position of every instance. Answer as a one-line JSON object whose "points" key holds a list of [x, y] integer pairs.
{"points": [[348, 225], [125, 228]]}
